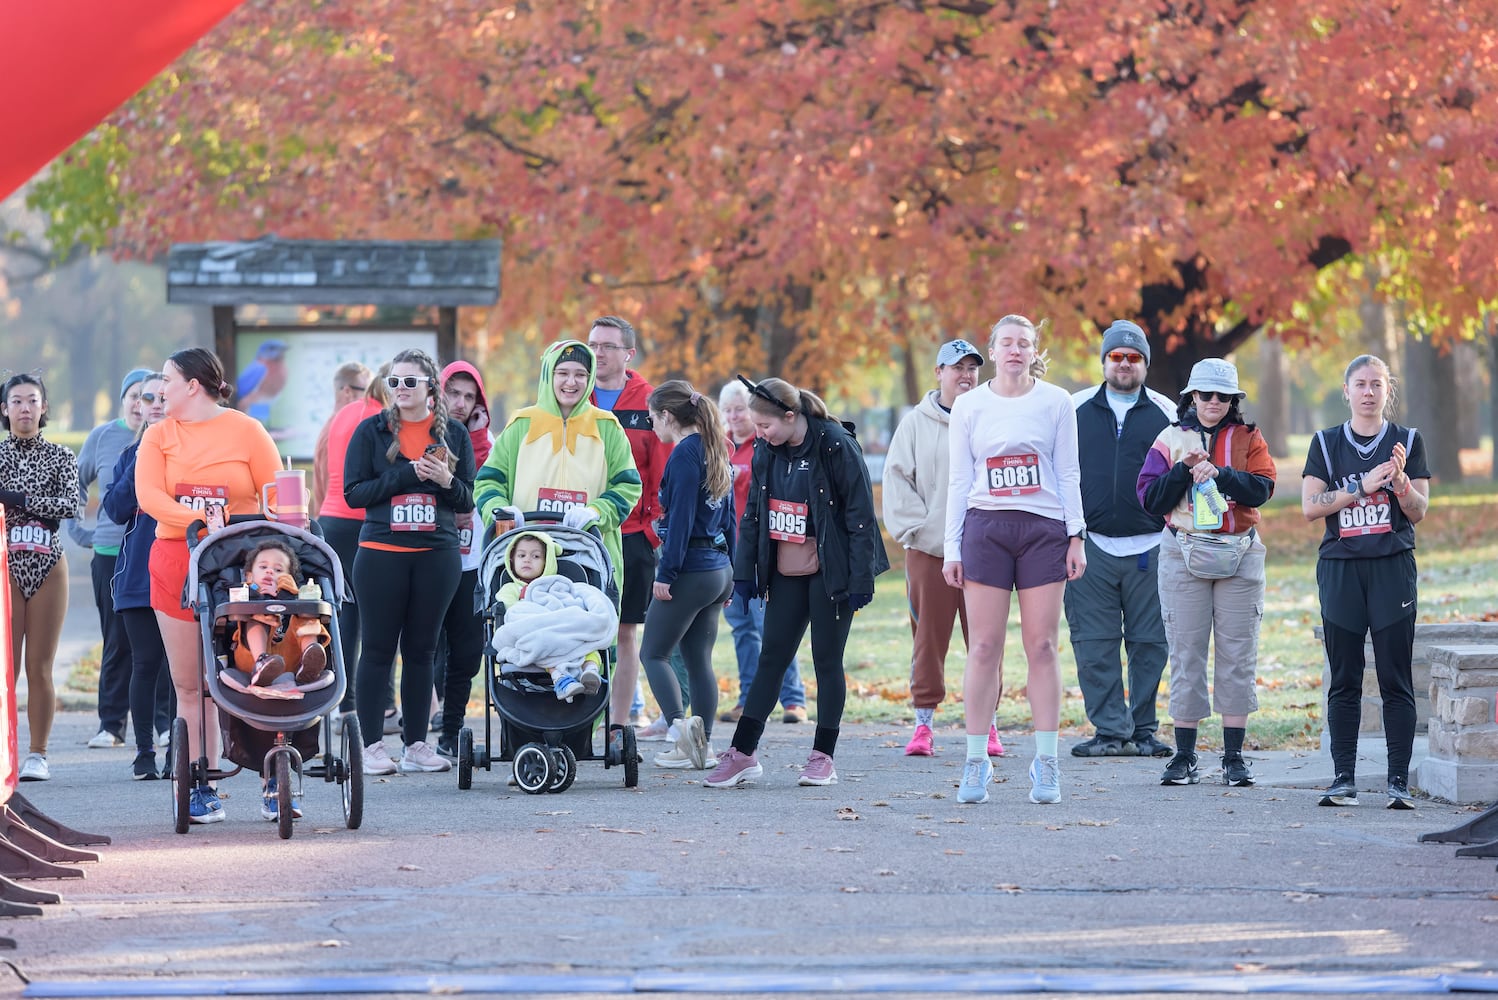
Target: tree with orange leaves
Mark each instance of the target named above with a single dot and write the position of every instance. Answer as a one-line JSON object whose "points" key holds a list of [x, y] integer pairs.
{"points": [[800, 186]]}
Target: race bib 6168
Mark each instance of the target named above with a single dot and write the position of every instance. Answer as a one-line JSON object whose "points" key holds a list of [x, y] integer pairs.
{"points": [[413, 512]]}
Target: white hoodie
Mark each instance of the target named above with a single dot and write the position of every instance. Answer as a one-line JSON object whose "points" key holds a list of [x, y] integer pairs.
{"points": [[915, 478]]}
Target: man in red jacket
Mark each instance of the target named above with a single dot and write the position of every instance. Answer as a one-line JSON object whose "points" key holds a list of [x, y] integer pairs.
{"points": [[619, 388]]}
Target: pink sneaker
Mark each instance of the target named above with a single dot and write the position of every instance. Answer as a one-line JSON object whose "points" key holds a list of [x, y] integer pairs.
{"points": [[920, 743], [735, 768], [818, 770], [995, 748]]}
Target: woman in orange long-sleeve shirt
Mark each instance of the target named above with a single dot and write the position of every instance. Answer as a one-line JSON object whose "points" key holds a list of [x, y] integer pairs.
{"points": [[202, 455]]}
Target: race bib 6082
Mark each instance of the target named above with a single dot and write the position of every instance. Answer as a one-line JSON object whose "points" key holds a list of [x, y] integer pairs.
{"points": [[1371, 515]]}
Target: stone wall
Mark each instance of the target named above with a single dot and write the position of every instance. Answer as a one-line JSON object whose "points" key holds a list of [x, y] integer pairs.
{"points": [[1462, 765]]}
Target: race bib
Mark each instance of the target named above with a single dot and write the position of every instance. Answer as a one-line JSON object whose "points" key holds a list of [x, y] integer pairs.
{"points": [[1371, 515], [465, 533], [1013, 475], [200, 498], [787, 521], [29, 536], [555, 501], [413, 512]]}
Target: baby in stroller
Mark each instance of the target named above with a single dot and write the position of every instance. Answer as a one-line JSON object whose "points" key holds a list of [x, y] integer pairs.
{"points": [[267, 641], [550, 621]]}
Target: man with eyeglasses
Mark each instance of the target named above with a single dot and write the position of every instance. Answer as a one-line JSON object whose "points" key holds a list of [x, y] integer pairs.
{"points": [[96, 462], [350, 382], [619, 388], [1117, 600]]}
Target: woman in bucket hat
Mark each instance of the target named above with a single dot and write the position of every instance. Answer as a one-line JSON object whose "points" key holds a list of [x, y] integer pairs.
{"points": [[1207, 475]]}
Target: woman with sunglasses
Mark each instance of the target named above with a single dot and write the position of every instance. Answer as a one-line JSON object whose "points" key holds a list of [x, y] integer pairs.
{"points": [[1014, 526], [410, 468], [150, 680], [1207, 475], [39, 490], [1367, 479], [204, 462], [809, 545]]}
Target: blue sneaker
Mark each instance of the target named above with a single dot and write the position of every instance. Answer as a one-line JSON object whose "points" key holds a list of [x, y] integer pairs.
{"points": [[1045, 780], [203, 806], [976, 774], [270, 804], [568, 688]]}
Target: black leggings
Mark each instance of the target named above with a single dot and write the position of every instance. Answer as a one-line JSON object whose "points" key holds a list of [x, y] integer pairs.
{"points": [[1393, 648], [464, 630], [405, 597], [151, 692], [794, 602], [690, 619]]}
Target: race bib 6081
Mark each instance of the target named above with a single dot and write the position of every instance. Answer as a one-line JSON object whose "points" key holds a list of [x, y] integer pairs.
{"points": [[1014, 475]]}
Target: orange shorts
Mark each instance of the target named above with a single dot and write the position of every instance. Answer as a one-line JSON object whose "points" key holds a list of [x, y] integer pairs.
{"points": [[168, 565]]}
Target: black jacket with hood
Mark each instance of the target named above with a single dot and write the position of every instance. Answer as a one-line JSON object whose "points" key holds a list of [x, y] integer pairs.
{"points": [[850, 548]]}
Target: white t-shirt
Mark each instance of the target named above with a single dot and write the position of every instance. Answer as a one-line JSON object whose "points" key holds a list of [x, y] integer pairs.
{"points": [[1015, 453]]}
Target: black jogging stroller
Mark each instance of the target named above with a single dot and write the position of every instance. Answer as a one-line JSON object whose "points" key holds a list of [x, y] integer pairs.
{"points": [[215, 567], [541, 737]]}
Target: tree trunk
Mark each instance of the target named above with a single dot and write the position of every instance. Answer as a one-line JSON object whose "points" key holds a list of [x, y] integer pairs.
{"points": [[1272, 411], [1430, 403], [1491, 329], [1468, 394]]}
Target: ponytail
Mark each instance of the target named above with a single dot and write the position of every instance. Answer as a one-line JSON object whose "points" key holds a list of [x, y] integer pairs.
{"points": [[690, 408]]}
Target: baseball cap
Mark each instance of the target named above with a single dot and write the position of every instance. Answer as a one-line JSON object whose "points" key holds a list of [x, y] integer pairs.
{"points": [[954, 351]]}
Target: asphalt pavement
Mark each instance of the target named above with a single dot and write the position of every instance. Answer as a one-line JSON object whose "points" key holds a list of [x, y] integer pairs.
{"points": [[880, 883]]}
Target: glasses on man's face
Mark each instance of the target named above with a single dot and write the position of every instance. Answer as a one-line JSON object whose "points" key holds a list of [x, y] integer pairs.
{"points": [[358, 388], [1132, 357], [409, 381], [596, 348], [1216, 397]]}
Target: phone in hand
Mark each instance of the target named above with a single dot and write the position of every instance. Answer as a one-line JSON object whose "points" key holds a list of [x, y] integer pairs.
{"points": [[436, 452]]}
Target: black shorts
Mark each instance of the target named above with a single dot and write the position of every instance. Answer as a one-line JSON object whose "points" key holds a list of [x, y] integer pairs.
{"points": [[639, 578]]}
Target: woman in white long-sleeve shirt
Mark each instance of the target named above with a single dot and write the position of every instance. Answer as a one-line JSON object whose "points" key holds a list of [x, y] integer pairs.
{"points": [[1014, 523]]}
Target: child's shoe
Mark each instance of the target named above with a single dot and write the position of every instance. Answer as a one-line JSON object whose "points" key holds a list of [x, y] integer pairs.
{"points": [[591, 680], [568, 687], [314, 662], [268, 666]]}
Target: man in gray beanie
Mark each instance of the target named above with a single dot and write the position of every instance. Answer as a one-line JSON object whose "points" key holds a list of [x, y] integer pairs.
{"points": [[1116, 601], [96, 462]]}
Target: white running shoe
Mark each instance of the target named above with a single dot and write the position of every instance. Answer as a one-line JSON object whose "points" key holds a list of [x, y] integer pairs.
{"points": [[105, 740], [34, 768], [419, 756], [377, 760]]}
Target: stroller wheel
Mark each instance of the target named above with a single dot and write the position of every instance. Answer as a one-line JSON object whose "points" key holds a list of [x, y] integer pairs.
{"points": [[284, 814], [631, 758], [535, 768], [351, 772], [566, 767], [465, 758], [181, 776]]}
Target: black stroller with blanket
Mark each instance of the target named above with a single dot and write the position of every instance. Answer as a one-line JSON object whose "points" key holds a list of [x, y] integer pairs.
{"points": [[541, 736]]}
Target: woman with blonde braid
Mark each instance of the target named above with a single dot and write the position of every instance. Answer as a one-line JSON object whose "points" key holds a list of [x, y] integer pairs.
{"points": [[410, 467], [694, 574], [39, 488]]}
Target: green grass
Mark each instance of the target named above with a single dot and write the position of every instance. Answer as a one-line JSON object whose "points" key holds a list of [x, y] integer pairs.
{"points": [[1456, 549]]}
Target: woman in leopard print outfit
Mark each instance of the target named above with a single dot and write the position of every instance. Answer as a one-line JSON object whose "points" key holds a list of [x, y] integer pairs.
{"points": [[39, 488]]}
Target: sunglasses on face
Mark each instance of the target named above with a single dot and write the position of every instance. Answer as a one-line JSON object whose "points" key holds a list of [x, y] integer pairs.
{"points": [[1132, 357], [1216, 397], [409, 381], [149, 397]]}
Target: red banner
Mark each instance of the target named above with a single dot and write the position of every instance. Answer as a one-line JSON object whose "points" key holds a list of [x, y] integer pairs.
{"points": [[66, 64]]}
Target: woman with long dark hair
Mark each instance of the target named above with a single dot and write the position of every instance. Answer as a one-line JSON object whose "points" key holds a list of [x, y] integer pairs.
{"points": [[410, 467], [809, 542], [204, 462], [39, 488]]}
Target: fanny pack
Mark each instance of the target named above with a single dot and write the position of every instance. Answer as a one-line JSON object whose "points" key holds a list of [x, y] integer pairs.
{"points": [[1213, 557]]}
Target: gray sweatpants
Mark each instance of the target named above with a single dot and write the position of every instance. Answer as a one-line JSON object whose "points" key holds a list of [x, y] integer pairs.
{"points": [[690, 619], [1117, 602], [1225, 613]]}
